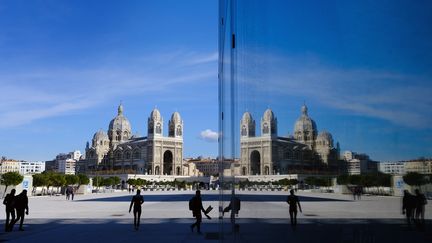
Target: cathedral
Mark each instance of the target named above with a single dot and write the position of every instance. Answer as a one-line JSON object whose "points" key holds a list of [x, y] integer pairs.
{"points": [[269, 154], [155, 154]]}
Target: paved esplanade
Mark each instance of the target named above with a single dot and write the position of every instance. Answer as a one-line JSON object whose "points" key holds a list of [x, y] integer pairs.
{"points": [[263, 217]]}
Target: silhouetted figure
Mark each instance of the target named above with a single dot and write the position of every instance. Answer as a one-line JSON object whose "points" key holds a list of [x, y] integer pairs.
{"points": [[9, 202], [408, 205], [136, 202], [293, 201], [420, 202], [195, 204], [68, 192], [353, 190], [72, 193], [234, 207], [359, 192], [21, 205]]}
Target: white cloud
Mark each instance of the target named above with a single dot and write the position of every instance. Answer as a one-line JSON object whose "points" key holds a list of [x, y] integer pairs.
{"points": [[30, 95], [209, 135], [402, 99]]}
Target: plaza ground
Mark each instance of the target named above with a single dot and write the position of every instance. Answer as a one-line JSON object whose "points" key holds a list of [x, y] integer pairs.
{"points": [[263, 217]]}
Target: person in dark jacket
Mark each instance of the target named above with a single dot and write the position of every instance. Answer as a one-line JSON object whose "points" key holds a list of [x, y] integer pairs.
{"points": [[408, 206], [9, 202], [293, 201], [420, 202], [197, 207], [136, 202], [21, 205]]}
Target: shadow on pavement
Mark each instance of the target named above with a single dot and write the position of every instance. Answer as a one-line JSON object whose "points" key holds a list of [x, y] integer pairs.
{"points": [[251, 230]]}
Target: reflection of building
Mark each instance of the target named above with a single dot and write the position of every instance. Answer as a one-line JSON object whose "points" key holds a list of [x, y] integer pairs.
{"points": [[155, 154], [9, 165], [208, 166], [66, 163], [393, 168], [270, 154], [359, 163], [419, 166], [22, 167], [32, 167]]}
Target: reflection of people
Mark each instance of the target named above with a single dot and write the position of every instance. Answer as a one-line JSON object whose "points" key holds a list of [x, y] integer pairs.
{"points": [[234, 207], [420, 202], [195, 204], [136, 202], [9, 202], [293, 201], [408, 205], [21, 205]]}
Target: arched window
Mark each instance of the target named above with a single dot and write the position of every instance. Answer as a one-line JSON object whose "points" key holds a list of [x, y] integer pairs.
{"points": [[265, 128], [244, 131], [179, 130], [244, 171], [158, 128], [136, 155]]}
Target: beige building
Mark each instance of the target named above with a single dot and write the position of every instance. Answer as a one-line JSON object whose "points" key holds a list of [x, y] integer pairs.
{"points": [[9, 166], [270, 154], [154, 154], [422, 167]]}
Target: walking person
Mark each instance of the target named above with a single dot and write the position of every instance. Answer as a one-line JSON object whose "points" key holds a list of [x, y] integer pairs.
{"points": [[408, 205], [9, 202], [195, 204], [293, 201], [234, 207], [72, 192], [67, 193], [420, 202], [136, 202], [21, 205]]}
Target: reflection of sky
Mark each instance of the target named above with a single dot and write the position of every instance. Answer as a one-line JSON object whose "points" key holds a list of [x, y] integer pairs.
{"points": [[364, 70]]}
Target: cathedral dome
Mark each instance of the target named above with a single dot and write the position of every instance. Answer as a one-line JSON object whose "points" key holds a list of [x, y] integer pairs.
{"points": [[247, 117], [100, 136], [155, 115], [305, 123], [268, 115], [324, 138], [120, 122], [176, 117]]}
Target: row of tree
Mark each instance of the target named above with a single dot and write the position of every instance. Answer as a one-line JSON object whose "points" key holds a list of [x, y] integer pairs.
{"points": [[417, 179], [112, 181], [177, 184], [366, 180], [57, 180]]}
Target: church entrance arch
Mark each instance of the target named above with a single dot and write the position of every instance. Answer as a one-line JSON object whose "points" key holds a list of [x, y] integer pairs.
{"points": [[167, 163], [255, 162]]}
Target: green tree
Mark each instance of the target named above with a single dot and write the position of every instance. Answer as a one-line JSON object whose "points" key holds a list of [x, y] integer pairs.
{"points": [[108, 181], [39, 180], [415, 179], [58, 180], [131, 182], [116, 180], [83, 180], [355, 179], [11, 179], [71, 179], [310, 181], [343, 180], [98, 181]]}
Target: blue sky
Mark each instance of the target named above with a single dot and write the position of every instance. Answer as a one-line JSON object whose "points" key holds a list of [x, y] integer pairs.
{"points": [[364, 70]]}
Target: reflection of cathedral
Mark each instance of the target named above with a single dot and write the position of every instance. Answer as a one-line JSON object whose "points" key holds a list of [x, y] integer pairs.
{"points": [[154, 154], [269, 154]]}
